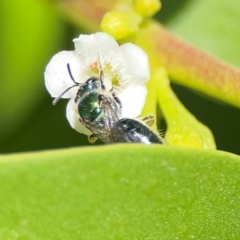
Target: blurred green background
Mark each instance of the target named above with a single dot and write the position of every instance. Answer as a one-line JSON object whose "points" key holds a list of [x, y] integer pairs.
{"points": [[32, 32]]}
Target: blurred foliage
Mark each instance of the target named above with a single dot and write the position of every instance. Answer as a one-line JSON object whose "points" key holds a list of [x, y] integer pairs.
{"points": [[32, 31]]}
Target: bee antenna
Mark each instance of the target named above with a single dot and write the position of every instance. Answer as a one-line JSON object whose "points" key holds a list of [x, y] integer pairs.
{"points": [[70, 73], [55, 101]]}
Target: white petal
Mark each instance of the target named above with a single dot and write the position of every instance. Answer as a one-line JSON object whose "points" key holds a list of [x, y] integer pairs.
{"points": [[135, 67], [133, 100], [96, 47], [73, 118], [57, 78]]}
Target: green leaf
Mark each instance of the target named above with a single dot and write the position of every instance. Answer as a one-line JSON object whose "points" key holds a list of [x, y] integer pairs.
{"points": [[146, 192]]}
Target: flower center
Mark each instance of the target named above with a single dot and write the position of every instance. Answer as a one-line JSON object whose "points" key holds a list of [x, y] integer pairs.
{"points": [[109, 79]]}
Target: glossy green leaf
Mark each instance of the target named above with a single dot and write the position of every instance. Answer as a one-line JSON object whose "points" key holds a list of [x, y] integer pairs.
{"points": [[120, 192]]}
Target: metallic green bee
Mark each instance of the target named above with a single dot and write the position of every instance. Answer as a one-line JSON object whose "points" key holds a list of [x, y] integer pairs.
{"points": [[100, 111]]}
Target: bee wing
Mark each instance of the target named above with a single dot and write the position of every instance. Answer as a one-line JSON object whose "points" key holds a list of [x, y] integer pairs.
{"points": [[99, 132], [104, 126], [116, 131]]}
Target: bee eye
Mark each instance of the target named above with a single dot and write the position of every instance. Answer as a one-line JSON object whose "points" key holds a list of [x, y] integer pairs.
{"points": [[91, 80]]}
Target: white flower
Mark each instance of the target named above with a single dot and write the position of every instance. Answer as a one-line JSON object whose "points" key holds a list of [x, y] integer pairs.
{"points": [[126, 66]]}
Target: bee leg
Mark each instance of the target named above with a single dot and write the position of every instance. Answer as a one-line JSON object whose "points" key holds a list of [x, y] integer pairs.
{"points": [[117, 100], [101, 100], [148, 120], [92, 138], [81, 121], [101, 78]]}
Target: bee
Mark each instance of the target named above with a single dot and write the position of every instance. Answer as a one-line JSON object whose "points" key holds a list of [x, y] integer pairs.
{"points": [[138, 130], [100, 111]]}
